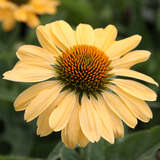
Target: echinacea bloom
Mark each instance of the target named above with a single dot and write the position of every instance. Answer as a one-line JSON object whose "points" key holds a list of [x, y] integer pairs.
{"points": [[86, 97], [24, 11]]}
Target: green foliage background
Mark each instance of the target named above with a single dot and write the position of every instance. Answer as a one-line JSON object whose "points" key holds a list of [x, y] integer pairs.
{"points": [[19, 140]]}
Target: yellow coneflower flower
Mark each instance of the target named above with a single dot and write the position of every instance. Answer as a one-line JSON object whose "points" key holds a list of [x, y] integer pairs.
{"points": [[86, 97], [24, 11]]}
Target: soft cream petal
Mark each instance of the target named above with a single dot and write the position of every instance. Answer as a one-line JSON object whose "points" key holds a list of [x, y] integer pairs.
{"points": [[32, 20], [7, 17], [136, 89], [120, 109], [116, 122], [9, 22], [99, 37], [21, 14], [6, 4], [46, 40], [44, 6], [131, 59], [133, 74], [63, 33], [72, 134], [89, 120], [107, 129], [41, 102], [111, 33], [30, 72], [123, 46], [138, 107], [105, 37], [26, 96], [61, 115], [43, 123], [82, 141], [85, 34], [34, 53], [43, 120]]}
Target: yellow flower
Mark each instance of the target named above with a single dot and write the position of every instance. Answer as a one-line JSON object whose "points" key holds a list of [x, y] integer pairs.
{"points": [[86, 97], [24, 11]]}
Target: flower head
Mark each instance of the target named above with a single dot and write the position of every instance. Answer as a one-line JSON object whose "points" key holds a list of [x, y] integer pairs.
{"points": [[24, 11], [86, 97]]}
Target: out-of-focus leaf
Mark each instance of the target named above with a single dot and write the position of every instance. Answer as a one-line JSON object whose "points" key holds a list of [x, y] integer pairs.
{"points": [[81, 9], [158, 20], [142, 145], [96, 150], [63, 153], [16, 136], [154, 104], [8, 95], [16, 158]]}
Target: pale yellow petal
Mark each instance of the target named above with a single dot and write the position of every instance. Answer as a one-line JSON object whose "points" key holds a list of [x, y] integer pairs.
{"points": [[131, 59], [8, 22], [46, 40], [123, 46], [8, 25], [107, 129], [41, 102], [105, 37], [99, 37], [89, 120], [136, 89], [116, 122], [7, 4], [34, 53], [111, 34], [120, 109], [44, 6], [7, 17], [43, 123], [138, 107], [133, 74], [30, 72], [85, 34], [63, 33], [26, 96], [82, 141], [72, 134], [21, 14], [32, 20], [61, 115], [43, 120]]}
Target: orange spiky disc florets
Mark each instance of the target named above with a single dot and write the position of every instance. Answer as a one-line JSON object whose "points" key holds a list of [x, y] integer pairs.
{"points": [[83, 68]]}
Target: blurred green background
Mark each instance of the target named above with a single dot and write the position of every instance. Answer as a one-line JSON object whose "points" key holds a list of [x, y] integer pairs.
{"points": [[18, 139]]}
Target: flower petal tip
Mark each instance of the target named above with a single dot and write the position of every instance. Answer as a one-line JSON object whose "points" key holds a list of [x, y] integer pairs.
{"points": [[112, 28], [27, 118], [4, 77], [156, 83], [111, 141], [138, 37]]}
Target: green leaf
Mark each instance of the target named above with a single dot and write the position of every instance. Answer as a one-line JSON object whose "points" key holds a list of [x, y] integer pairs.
{"points": [[63, 153], [97, 150], [15, 138], [154, 104], [16, 158], [8, 95], [142, 145], [81, 9]]}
